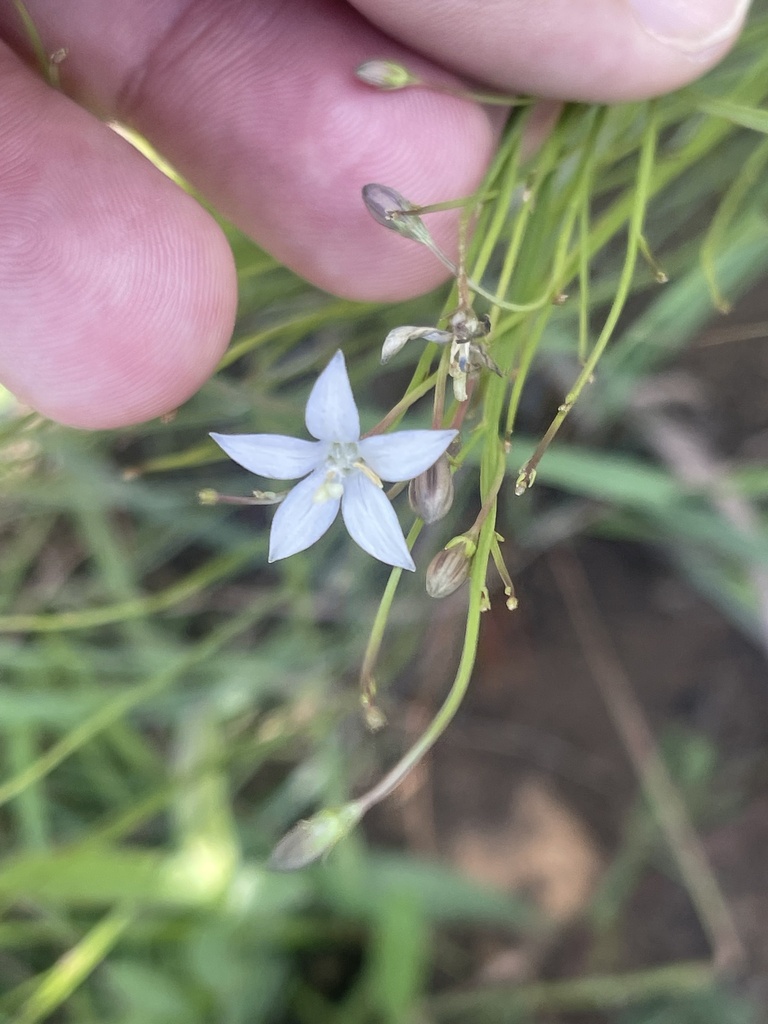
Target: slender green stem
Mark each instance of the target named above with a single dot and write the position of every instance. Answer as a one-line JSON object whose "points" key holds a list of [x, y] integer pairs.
{"points": [[57, 984], [135, 608], [303, 323], [743, 184], [367, 684], [452, 702], [46, 62], [601, 992], [641, 196], [584, 306], [412, 395], [508, 172]]}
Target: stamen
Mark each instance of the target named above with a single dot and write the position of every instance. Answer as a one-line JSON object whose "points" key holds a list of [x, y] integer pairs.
{"points": [[330, 490], [368, 472]]}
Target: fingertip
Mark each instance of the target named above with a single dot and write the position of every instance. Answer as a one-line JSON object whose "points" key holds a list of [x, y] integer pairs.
{"points": [[272, 126], [431, 149], [118, 290], [600, 51]]}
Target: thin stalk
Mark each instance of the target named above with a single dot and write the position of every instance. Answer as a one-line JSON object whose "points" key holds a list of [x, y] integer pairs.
{"points": [[368, 685], [743, 184], [486, 522], [641, 197], [584, 306], [134, 608], [456, 694]]}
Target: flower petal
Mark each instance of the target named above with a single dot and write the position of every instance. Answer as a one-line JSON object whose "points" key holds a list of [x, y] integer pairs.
{"points": [[372, 523], [400, 336], [404, 455], [273, 455], [331, 413], [300, 520]]}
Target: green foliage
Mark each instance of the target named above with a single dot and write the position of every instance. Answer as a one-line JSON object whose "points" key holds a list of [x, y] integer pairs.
{"points": [[170, 706]]}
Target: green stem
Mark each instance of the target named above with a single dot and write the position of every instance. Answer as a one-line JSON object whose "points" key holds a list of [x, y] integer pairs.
{"points": [[367, 684], [412, 396], [71, 970], [452, 702], [743, 184], [584, 217], [135, 608], [641, 197], [603, 992]]}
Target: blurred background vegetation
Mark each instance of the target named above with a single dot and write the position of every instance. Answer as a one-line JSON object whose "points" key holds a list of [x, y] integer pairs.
{"points": [[587, 841]]}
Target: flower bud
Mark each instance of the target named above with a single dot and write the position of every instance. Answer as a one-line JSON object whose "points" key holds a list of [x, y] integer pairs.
{"points": [[385, 203], [382, 202], [386, 74], [309, 840], [430, 494], [450, 567], [393, 211]]}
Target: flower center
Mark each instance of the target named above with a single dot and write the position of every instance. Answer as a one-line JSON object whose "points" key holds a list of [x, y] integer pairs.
{"points": [[339, 462], [343, 457]]}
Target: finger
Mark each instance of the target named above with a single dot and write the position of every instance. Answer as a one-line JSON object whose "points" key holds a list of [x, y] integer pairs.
{"points": [[117, 290], [594, 50], [257, 104]]}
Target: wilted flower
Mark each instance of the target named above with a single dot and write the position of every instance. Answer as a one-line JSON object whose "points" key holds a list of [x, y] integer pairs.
{"points": [[400, 336], [468, 353], [341, 470]]}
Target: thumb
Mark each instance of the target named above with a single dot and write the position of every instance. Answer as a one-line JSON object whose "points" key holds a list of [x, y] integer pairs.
{"points": [[602, 51]]}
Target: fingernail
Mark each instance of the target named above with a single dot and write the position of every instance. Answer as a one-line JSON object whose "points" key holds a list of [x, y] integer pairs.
{"points": [[693, 26]]}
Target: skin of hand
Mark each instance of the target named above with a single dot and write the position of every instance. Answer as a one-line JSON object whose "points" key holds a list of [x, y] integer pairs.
{"points": [[118, 290]]}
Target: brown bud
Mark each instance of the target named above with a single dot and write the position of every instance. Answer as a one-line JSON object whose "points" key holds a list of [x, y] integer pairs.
{"points": [[450, 567], [430, 494]]}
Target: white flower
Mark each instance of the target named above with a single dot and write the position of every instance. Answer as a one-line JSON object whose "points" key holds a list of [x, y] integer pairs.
{"points": [[340, 469]]}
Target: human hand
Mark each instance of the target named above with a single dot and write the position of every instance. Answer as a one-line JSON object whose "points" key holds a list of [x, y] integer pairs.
{"points": [[118, 291]]}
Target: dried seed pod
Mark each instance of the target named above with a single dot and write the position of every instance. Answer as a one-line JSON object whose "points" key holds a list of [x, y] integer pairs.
{"points": [[431, 493], [450, 567]]}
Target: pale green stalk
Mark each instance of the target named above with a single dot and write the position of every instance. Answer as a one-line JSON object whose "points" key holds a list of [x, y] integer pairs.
{"points": [[748, 178], [452, 702], [641, 196], [57, 984], [373, 647], [139, 607]]}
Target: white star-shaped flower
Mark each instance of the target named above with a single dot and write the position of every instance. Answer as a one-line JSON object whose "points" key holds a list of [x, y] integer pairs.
{"points": [[341, 469]]}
